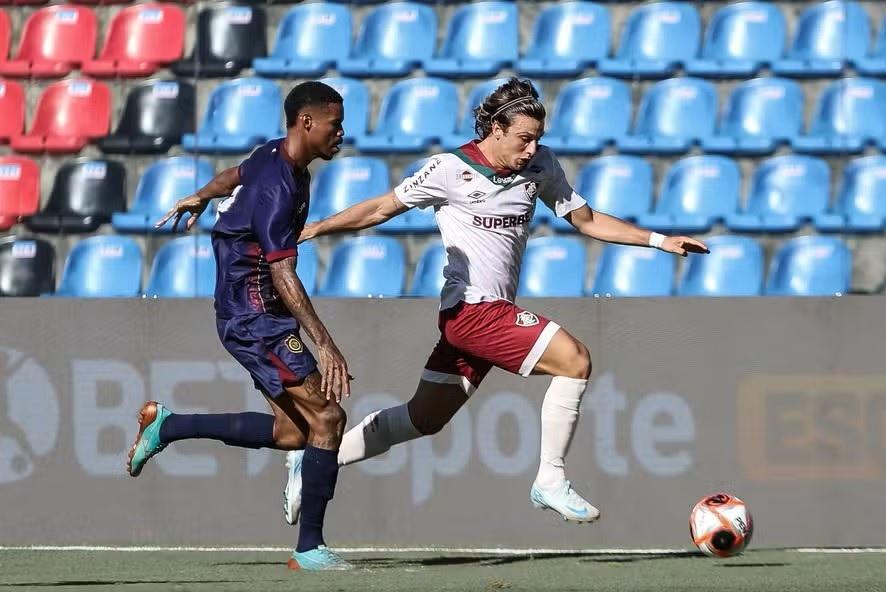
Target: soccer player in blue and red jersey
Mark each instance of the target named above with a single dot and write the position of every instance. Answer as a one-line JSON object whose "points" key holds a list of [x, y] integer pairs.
{"points": [[261, 306]]}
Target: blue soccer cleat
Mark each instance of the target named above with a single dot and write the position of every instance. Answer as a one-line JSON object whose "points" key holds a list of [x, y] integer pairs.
{"points": [[292, 491], [320, 559], [565, 501], [147, 443]]}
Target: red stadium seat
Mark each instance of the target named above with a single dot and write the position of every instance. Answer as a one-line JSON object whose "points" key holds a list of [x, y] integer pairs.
{"points": [[140, 39], [69, 114], [19, 189], [5, 35], [54, 41], [12, 109]]}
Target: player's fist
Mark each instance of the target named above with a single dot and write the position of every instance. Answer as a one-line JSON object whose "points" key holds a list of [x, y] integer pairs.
{"points": [[683, 245]]}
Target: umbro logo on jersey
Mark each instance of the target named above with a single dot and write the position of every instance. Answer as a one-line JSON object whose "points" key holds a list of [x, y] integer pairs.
{"points": [[526, 319], [477, 197]]}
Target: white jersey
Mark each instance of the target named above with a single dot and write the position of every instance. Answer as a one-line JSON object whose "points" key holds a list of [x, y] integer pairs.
{"points": [[484, 217]]}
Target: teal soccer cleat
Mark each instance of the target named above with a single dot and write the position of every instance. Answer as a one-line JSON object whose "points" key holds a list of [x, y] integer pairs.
{"points": [[292, 491], [565, 501], [320, 559], [147, 443]]}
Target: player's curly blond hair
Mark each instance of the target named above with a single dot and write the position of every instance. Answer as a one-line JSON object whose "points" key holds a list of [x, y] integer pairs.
{"points": [[515, 97]]}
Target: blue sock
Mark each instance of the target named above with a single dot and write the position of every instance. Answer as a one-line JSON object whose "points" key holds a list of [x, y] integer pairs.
{"points": [[319, 472], [246, 430]]}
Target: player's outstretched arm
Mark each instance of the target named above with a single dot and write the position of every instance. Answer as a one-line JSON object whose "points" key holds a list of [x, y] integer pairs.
{"points": [[365, 214], [221, 185], [615, 230], [335, 380]]}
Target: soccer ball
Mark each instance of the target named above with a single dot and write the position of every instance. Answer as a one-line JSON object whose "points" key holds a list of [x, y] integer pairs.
{"points": [[720, 525]]}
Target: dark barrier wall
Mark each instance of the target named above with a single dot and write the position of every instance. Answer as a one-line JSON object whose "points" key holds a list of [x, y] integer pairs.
{"points": [[780, 401]]}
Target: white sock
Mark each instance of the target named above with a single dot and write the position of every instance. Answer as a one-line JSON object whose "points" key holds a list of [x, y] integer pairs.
{"points": [[376, 434], [559, 417]]}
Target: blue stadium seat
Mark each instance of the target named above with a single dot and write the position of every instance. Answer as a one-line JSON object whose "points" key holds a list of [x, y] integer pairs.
{"points": [[760, 115], [241, 114], [356, 105], [588, 114], [875, 63], [567, 38], [310, 38], [161, 185], [394, 39], [674, 114], [697, 192], [553, 266], [428, 279], [785, 192], [414, 114], [861, 199], [183, 268], [850, 114], [343, 182], [634, 271], [740, 39], [102, 266], [306, 266], [619, 185], [414, 220], [828, 35], [657, 38], [811, 266], [734, 267], [481, 39], [365, 266]]}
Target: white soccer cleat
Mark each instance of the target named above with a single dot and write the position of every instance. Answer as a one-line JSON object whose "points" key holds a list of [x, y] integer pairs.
{"points": [[565, 501], [292, 491]]}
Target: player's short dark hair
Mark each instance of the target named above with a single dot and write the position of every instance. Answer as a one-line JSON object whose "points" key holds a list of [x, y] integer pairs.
{"points": [[515, 97], [308, 94]]}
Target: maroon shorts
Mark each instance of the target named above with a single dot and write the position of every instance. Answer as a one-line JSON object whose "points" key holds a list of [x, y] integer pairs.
{"points": [[476, 337]]}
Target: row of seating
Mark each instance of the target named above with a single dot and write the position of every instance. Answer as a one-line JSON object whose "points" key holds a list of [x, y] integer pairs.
{"points": [[481, 39], [375, 266], [588, 114]]}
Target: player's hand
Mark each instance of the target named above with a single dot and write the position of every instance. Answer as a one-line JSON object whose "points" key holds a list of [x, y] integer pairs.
{"points": [[335, 380], [192, 205], [683, 245], [308, 232]]}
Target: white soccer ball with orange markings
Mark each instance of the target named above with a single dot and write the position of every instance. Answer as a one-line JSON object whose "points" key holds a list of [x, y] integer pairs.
{"points": [[721, 525]]}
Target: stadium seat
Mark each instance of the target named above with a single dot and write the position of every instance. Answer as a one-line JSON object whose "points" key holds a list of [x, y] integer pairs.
{"points": [[69, 114], [697, 192], [481, 39], [229, 36], [310, 38], [828, 35], [394, 39], [365, 266], [850, 114], [19, 189], [344, 182], [414, 114], [106, 266], [760, 115], [241, 114], [861, 198], [811, 266], [12, 109], [156, 116], [356, 105], [785, 192], [27, 266], [85, 194], [566, 39], [619, 185], [740, 39], [674, 114], [54, 41], [633, 271], [306, 267], [161, 185], [656, 39], [875, 63], [553, 267], [5, 35], [141, 39], [428, 279], [414, 220], [734, 267], [183, 268], [588, 114]]}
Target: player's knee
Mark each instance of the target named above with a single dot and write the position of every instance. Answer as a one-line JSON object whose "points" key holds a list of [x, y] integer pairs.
{"points": [[332, 419], [428, 426], [580, 362]]}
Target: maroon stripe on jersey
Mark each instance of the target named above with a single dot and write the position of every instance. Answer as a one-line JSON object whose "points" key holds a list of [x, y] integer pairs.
{"points": [[277, 255]]}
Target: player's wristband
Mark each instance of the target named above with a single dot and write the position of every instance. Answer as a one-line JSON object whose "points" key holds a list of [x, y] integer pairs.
{"points": [[656, 240]]}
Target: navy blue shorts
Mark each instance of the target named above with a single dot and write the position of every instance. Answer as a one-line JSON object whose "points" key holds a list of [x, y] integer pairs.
{"points": [[270, 348]]}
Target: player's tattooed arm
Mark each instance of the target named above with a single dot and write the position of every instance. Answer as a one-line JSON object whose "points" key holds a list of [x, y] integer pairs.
{"points": [[335, 380], [365, 214], [221, 185]]}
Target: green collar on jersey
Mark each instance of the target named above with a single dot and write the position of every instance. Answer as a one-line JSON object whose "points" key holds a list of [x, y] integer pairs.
{"points": [[471, 155]]}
